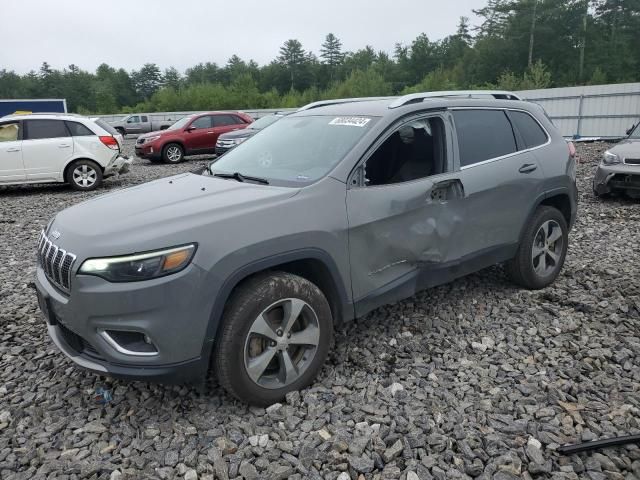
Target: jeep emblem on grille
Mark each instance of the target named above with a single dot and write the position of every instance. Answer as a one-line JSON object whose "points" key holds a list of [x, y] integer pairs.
{"points": [[55, 235]]}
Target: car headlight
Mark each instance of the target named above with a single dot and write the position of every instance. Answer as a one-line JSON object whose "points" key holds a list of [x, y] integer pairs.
{"points": [[143, 266], [151, 139], [610, 158], [238, 141]]}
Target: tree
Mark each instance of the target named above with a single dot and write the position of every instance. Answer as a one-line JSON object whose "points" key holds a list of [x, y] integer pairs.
{"points": [[293, 56], [147, 80], [331, 53], [172, 78]]}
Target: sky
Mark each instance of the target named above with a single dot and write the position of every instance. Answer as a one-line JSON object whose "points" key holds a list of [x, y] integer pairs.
{"points": [[182, 33]]}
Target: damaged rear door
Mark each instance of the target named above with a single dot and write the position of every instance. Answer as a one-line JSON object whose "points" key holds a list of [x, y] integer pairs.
{"points": [[404, 217]]}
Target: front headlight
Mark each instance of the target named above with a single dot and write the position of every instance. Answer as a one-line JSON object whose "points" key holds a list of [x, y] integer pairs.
{"points": [[238, 141], [143, 266], [151, 139], [609, 158]]}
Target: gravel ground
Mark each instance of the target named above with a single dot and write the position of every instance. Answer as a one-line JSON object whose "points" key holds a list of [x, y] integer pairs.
{"points": [[476, 379]]}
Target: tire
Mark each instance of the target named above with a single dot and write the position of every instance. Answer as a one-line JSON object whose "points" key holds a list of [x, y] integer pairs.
{"points": [[172, 153], [84, 175], [239, 345], [155, 160], [527, 268]]}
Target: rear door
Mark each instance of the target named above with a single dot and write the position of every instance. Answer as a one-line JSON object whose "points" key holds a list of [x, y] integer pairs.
{"points": [[46, 149], [502, 180], [198, 136], [11, 164]]}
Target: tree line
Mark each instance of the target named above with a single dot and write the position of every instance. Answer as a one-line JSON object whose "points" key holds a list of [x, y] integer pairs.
{"points": [[517, 45]]}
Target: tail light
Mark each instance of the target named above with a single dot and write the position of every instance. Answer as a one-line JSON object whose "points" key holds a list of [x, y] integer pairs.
{"points": [[572, 149], [110, 142]]}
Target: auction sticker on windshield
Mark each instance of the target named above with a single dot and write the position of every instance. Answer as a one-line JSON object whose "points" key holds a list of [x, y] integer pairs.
{"points": [[350, 121]]}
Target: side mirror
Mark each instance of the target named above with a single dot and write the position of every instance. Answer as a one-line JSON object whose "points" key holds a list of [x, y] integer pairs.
{"points": [[631, 129], [190, 129]]}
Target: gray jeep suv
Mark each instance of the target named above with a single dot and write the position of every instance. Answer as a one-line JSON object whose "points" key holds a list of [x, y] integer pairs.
{"points": [[246, 267]]}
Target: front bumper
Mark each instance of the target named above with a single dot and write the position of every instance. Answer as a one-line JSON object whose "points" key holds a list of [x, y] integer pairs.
{"points": [[147, 151], [165, 309], [121, 164], [619, 177], [222, 150]]}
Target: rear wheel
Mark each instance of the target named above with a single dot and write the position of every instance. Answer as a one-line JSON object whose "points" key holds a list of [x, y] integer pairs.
{"points": [[172, 153], [275, 336], [84, 175], [542, 251]]}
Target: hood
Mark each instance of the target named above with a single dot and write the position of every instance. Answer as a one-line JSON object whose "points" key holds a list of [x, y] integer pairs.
{"points": [[166, 212], [156, 132], [629, 148], [244, 133]]}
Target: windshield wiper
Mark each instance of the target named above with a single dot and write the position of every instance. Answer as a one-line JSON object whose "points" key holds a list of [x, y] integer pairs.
{"points": [[241, 178]]}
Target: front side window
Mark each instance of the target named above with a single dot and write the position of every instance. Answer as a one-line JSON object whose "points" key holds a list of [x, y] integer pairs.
{"points": [[9, 132], [40, 129], [483, 135], [635, 134], [295, 150], [134, 119], [202, 122], [532, 133], [415, 150]]}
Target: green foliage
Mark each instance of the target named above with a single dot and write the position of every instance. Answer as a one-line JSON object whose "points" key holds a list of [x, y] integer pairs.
{"points": [[571, 42]]}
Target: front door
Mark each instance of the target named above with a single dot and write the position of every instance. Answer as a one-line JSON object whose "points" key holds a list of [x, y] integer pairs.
{"points": [[11, 165], [46, 149], [200, 135], [133, 125], [405, 213]]}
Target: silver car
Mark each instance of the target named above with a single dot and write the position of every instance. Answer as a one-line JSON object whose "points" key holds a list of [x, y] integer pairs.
{"points": [[324, 216], [619, 169]]}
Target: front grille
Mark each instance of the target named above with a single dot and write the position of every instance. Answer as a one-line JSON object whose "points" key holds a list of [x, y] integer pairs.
{"points": [[224, 143], [55, 262], [632, 161]]}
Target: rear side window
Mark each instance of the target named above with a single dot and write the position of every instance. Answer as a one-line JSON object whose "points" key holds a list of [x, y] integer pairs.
{"points": [[79, 130], [239, 120], [9, 132], [225, 120], [483, 135], [106, 127], [144, 118], [532, 133], [39, 129]]}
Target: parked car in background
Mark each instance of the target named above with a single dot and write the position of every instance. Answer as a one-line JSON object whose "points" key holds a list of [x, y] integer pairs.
{"points": [[324, 216], [140, 123], [227, 141], [619, 169], [45, 148], [193, 135]]}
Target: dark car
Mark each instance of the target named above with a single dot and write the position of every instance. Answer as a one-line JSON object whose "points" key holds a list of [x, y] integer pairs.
{"points": [[193, 135], [232, 139]]}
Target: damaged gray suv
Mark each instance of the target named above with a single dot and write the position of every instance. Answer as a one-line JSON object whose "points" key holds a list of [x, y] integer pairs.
{"points": [[245, 268]]}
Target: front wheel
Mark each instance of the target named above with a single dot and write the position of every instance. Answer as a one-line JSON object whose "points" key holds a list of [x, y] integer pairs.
{"points": [[276, 333], [542, 251], [84, 175], [172, 153]]}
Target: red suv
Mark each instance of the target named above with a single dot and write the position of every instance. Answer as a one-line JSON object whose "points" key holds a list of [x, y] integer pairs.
{"points": [[192, 135]]}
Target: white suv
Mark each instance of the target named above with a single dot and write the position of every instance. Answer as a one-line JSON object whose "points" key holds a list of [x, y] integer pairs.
{"points": [[45, 148]]}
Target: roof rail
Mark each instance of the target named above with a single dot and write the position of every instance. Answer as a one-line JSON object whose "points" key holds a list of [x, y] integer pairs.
{"points": [[324, 103], [419, 97]]}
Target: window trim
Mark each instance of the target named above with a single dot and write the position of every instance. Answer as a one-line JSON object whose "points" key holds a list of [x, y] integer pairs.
{"points": [[519, 152], [386, 134], [20, 129]]}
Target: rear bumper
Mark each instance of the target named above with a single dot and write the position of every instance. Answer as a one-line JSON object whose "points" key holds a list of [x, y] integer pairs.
{"points": [[621, 177], [121, 164]]}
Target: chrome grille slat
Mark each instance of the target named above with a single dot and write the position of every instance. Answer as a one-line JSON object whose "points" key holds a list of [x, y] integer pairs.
{"points": [[56, 262]]}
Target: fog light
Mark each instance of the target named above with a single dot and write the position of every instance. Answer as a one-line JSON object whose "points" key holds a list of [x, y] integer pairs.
{"points": [[130, 343]]}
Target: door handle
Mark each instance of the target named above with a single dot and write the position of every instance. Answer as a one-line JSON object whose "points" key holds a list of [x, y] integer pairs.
{"points": [[64, 145], [13, 149], [528, 168], [210, 133]]}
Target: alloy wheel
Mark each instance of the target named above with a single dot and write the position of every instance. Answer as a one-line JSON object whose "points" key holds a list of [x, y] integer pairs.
{"points": [[548, 244], [85, 176], [174, 154], [281, 343]]}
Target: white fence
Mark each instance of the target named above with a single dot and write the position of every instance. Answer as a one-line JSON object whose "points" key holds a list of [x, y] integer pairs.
{"points": [[599, 111]]}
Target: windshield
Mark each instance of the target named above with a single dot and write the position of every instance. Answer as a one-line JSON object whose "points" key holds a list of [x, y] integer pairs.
{"points": [[264, 122], [295, 150], [636, 132], [180, 123]]}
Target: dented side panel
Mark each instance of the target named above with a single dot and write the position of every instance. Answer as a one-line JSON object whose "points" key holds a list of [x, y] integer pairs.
{"points": [[397, 229]]}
